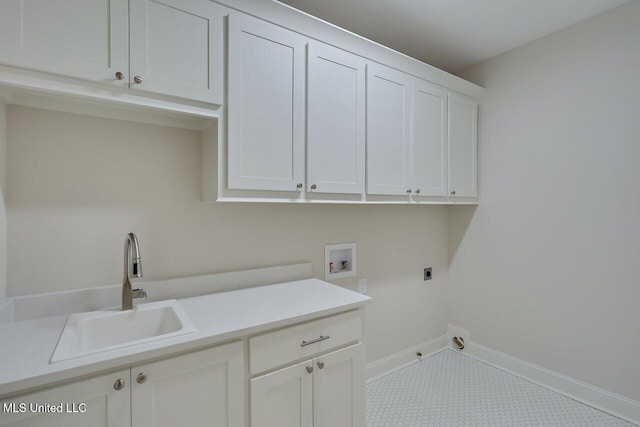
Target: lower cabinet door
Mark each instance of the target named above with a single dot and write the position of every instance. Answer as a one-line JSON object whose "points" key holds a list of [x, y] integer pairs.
{"points": [[283, 398], [97, 402], [338, 389], [203, 389]]}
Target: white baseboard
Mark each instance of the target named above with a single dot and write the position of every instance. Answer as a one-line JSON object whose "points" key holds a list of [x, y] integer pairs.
{"points": [[404, 358], [595, 397]]}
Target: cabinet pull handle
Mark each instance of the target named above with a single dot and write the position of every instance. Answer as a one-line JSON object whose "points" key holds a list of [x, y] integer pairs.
{"points": [[453, 193], [299, 186], [119, 75], [142, 377], [137, 79], [309, 369], [322, 338], [409, 191], [119, 384], [320, 365], [313, 186], [418, 191]]}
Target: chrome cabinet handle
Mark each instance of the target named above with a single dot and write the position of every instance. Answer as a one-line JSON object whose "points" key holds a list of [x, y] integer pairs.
{"points": [[313, 186], [309, 369], [137, 79], [119, 75], [119, 384], [418, 191], [409, 191], [320, 365], [299, 185], [453, 193], [322, 338], [142, 378]]}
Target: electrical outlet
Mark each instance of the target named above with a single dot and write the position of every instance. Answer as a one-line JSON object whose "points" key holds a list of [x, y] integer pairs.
{"points": [[427, 273], [362, 286]]}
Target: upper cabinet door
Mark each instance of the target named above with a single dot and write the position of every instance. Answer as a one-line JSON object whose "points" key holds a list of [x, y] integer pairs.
{"points": [[388, 131], [429, 140], [266, 106], [463, 158], [176, 48], [87, 40], [335, 121]]}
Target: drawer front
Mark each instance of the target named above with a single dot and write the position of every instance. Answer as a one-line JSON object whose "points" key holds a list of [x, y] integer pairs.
{"points": [[280, 347]]}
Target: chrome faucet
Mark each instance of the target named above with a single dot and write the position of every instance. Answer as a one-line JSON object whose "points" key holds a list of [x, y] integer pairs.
{"points": [[132, 268]]}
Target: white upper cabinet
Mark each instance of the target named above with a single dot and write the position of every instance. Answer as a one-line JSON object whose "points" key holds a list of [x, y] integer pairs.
{"points": [[170, 47], [266, 106], [388, 131], [463, 124], [176, 48], [429, 140], [335, 121], [87, 40]]}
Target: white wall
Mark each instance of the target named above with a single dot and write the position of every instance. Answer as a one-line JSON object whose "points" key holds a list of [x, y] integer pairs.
{"points": [[546, 268], [78, 184], [3, 211]]}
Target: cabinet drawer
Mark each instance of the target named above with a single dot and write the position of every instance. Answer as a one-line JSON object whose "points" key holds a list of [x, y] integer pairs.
{"points": [[278, 348]]}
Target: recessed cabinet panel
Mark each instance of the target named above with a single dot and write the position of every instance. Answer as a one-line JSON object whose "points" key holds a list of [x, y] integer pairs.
{"points": [[203, 388], [463, 113], [335, 121], [388, 138], [429, 141], [283, 398], [176, 48], [338, 388], [266, 108], [88, 40], [106, 404]]}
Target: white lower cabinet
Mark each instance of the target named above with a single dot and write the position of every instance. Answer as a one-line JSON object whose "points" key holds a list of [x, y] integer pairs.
{"points": [[203, 388], [106, 398], [326, 391], [338, 388], [283, 398]]}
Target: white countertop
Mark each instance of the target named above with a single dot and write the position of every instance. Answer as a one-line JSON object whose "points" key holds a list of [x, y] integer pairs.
{"points": [[26, 347]]}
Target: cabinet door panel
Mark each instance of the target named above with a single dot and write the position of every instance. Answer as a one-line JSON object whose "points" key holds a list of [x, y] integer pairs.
{"points": [[176, 48], [265, 106], [388, 137], [338, 389], [335, 120], [463, 113], [202, 389], [106, 406], [84, 39], [429, 141], [283, 398]]}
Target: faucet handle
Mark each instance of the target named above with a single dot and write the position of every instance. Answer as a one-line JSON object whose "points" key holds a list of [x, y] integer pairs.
{"points": [[139, 293]]}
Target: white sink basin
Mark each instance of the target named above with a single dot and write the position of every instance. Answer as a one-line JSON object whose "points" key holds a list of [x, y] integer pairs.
{"points": [[99, 331]]}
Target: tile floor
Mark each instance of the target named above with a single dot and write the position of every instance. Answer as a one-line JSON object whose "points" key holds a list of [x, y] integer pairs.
{"points": [[450, 389]]}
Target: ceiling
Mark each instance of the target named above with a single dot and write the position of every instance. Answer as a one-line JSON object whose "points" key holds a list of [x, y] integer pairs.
{"points": [[453, 34]]}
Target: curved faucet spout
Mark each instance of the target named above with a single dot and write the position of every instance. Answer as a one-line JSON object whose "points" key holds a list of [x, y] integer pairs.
{"points": [[132, 268]]}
